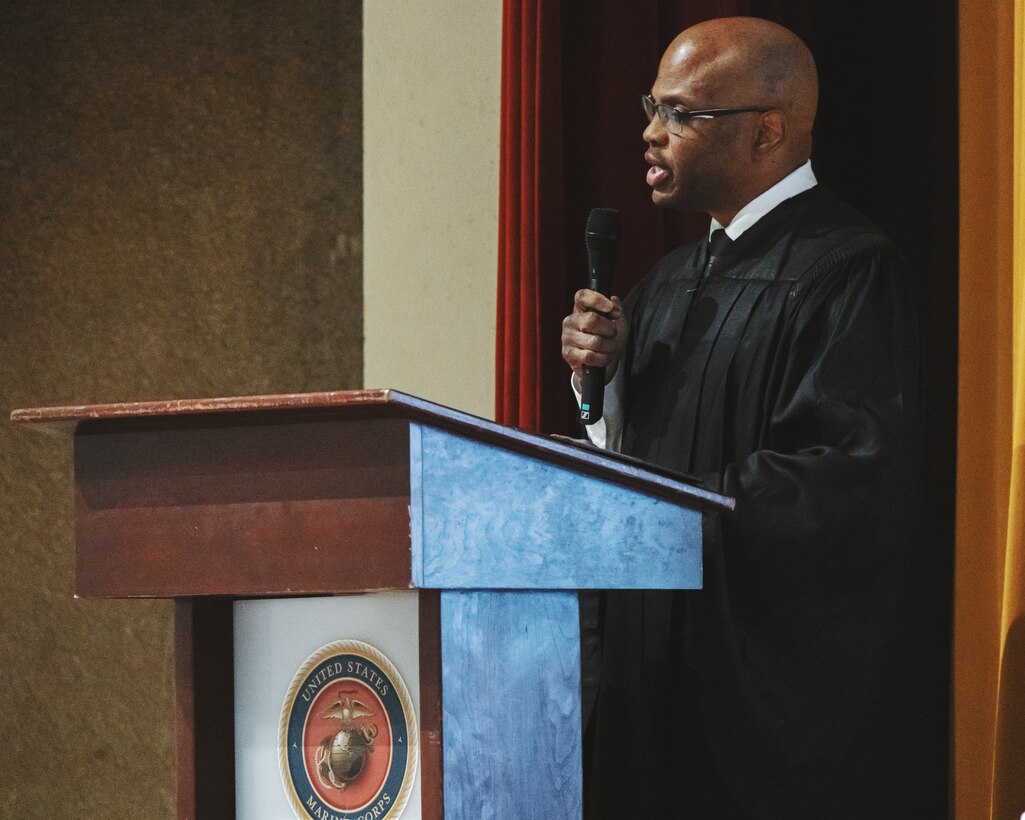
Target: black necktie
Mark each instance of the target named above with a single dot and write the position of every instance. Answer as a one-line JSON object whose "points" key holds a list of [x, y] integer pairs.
{"points": [[718, 242]]}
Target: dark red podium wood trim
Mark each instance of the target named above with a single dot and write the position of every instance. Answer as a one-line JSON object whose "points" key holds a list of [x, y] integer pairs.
{"points": [[276, 506], [204, 709], [432, 782]]}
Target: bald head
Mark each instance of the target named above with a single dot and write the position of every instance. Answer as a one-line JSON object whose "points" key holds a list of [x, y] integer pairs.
{"points": [[766, 76], [750, 61]]}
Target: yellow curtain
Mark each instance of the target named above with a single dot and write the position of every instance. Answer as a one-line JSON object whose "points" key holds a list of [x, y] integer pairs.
{"points": [[989, 639], [1009, 769]]}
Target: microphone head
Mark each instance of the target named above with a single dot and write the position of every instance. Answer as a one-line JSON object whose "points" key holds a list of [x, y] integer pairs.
{"points": [[602, 229]]}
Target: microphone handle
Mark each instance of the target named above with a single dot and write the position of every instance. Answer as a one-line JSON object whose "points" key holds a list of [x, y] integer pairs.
{"points": [[592, 394]]}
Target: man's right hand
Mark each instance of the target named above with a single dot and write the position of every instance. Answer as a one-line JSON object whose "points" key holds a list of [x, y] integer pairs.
{"points": [[594, 333]]}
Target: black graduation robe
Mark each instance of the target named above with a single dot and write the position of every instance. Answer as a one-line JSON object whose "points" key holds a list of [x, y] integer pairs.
{"points": [[803, 680]]}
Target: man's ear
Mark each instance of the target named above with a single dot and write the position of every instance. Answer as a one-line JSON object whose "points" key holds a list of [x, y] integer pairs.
{"points": [[772, 132]]}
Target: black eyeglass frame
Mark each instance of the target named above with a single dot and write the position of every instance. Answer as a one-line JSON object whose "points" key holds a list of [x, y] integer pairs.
{"points": [[667, 113]]}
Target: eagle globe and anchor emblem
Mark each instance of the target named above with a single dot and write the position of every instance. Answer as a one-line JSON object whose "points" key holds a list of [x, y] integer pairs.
{"points": [[342, 756], [348, 737]]}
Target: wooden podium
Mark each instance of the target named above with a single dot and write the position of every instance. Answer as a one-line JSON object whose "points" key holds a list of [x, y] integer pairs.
{"points": [[212, 501]]}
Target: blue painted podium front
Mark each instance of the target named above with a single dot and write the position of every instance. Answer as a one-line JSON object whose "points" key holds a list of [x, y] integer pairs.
{"points": [[509, 538]]}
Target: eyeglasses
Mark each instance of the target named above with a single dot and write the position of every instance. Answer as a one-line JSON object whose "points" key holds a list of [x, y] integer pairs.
{"points": [[673, 119]]}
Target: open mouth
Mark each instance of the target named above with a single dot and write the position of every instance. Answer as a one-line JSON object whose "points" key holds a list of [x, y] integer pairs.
{"points": [[657, 175]]}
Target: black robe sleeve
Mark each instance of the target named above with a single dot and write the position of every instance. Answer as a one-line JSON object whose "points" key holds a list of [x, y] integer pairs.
{"points": [[833, 485]]}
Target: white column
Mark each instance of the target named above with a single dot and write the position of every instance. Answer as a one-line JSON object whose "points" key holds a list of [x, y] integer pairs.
{"points": [[431, 94]]}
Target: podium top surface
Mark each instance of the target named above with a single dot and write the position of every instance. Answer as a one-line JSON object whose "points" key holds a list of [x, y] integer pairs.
{"points": [[155, 415], [73, 415]]}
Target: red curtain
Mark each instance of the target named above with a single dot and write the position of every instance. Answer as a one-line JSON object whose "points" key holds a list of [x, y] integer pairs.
{"points": [[531, 203]]}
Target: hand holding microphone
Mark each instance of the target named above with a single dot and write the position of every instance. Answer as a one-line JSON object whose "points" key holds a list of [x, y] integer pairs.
{"points": [[594, 334]]}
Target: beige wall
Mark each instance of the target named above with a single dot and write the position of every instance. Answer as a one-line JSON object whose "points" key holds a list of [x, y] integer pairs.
{"points": [[431, 84], [180, 215]]}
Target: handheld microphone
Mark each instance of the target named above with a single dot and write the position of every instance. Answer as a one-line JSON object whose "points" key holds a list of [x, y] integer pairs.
{"points": [[601, 236]]}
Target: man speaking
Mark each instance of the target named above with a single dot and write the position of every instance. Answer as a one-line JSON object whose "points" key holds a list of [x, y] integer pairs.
{"points": [[778, 359]]}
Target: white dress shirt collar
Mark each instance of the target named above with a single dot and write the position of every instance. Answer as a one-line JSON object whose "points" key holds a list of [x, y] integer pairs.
{"points": [[791, 185]]}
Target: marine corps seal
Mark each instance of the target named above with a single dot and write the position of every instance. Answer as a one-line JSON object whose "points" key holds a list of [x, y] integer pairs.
{"points": [[348, 737]]}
